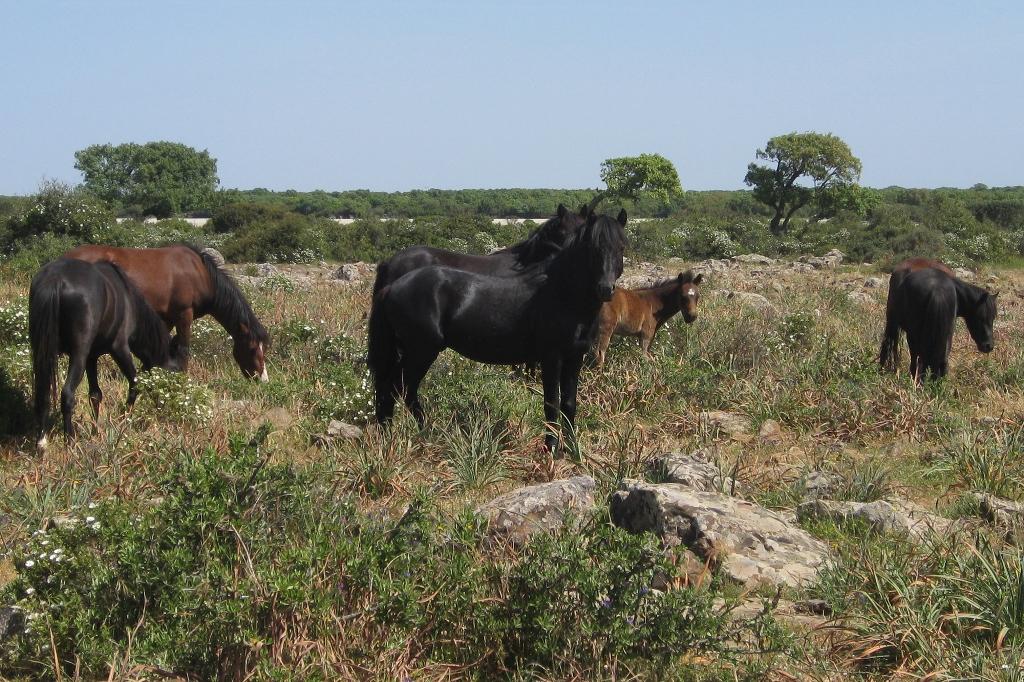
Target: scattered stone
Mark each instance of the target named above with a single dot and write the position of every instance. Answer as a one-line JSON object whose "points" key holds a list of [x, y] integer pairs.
{"points": [[712, 265], [817, 607], [214, 255], [829, 261], [340, 429], [883, 516], [279, 418], [693, 471], [963, 273], [729, 423], [12, 622], [266, 270], [819, 484], [754, 258], [874, 283], [354, 272], [517, 515], [770, 431], [751, 544], [860, 297], [1005, 514], [62, 522], [746, 298]]}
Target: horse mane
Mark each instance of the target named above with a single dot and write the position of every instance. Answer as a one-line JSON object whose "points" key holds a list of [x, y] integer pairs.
{"points": [[229, 305], [150, 339], [526, 251]]}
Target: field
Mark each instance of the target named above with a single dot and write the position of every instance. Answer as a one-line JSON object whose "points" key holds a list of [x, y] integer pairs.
{"points": [[219, 530]]}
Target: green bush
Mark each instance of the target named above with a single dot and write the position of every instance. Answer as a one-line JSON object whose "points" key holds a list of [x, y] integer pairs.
{"points": [[59, 209], [284, 238]]}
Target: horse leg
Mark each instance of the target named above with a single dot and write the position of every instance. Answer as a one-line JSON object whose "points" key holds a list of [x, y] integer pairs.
{"points": [[182, 342], [95, 394], [569, 381], [76, 368], [123, 357], [413, 369], [603, 340], [550, 372]]}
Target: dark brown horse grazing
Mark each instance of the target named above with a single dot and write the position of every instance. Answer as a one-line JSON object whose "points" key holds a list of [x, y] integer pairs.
{"points": [[87, 310], [641, 312], [182, 284], [889, 355], [925, 304], [543, 243]]}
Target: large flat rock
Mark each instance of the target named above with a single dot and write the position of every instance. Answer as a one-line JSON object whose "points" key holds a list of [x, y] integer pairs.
{"points": [[518, 514]]}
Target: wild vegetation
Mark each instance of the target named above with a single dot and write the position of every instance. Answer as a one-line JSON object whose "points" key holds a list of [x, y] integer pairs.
{"points": [[216, 530]]}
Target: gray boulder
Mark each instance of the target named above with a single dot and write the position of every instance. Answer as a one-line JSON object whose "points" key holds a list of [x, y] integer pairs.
{"points": [[215, 256], [693, 471], [729, 423], [751, 544], [754, 259], [883, 516], [1004, 514], [12, 622], [747, 298], [353, 272], [874, 283], [265, 270], [517, 515]]}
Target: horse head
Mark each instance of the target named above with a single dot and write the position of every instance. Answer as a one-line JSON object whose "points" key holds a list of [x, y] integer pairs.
{"points": [[605, 242], [980, 321], [249, 352], [689, 295]]}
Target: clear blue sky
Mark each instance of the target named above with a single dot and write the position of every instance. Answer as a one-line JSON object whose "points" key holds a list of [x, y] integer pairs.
{"points": [[391, 95]]}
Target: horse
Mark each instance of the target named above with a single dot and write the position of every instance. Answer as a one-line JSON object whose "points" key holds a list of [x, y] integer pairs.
{"points": [[86, 310], [183, 284], [641, 312], [925, 304], [548, 314], [542, 243], [889, 354]]}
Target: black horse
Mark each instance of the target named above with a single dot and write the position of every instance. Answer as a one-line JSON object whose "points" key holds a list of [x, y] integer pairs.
{"points": [[548, 314], [542, 243], [87, 310], [925, 303]]}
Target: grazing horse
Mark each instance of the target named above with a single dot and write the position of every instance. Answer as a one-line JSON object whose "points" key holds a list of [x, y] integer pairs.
{"points": [[889, 354], [544, 242], [182, 284], [547, 314], [87, 310], [925, 303], [641, 312]]}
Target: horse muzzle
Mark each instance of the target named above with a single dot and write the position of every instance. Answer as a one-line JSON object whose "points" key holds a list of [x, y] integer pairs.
{"points": [[689, 319], [985, 347], [604, 292]]}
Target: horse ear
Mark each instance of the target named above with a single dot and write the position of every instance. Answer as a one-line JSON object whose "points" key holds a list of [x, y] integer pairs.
{"points": [[562, 210], [699, 278], [622, 217], [681, 278], [584, 211]]}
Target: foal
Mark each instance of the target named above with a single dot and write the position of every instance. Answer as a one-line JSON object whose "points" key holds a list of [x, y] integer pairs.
{"points": [[641, 312]]}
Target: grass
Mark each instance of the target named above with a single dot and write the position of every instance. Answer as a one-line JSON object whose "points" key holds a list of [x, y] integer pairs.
{"points": [[361, 559]]}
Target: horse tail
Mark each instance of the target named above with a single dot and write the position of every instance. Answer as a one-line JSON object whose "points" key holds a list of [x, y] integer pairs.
{"points": [[889, 353], [150, 339], [44, 337], [381, 279], [382, 355]]}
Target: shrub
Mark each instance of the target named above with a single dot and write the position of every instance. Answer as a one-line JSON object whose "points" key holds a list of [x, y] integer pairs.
{"points": [[62, 210], [172, 395], [284, 238]]}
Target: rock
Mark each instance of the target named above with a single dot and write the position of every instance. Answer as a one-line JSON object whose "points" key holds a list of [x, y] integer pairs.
{"points": [[802, 267], [354, 272], [693, 471], [860, 297], [746, 298], [883, 516], [1005, 514], [817, 607], [636, 281], [963, 273], [517, 515], [874, 283], [279, 418], [12, 622], [265, 270], [727, 422], [752, 545], [828, 261], [770, 431], [819, 484], [712, 266], [784, 611], [754, 258], [215, 256], [339, 429]]}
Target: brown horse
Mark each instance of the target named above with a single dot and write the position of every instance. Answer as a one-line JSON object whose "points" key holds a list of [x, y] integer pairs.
{"points": [[889, 354], [183, 284], [641, 312]]}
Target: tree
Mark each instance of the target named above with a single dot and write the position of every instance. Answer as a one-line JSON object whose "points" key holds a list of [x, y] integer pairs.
{"points": [[634, 177], [825, 159], [157, 178]]}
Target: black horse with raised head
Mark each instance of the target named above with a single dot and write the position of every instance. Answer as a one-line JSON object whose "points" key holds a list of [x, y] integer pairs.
{"points": [[925, 304], [86, 310], [547, 313], [542, 243]]}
